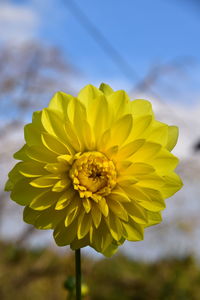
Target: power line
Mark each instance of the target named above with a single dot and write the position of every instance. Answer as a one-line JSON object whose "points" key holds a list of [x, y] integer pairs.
{"points": [[101, 40]]}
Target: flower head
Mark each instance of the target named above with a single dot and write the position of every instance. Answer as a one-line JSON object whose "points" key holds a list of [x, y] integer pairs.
{"points": [[96, 169]]}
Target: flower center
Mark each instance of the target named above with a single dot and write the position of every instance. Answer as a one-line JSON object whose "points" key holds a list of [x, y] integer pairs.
{"points": [[93, 175]]}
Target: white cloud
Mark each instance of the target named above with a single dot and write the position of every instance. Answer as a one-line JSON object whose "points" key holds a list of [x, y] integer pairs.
{"points": [[17, 23]]}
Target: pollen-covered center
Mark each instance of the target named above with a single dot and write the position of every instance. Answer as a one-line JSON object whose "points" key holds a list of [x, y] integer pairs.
{"points": [[93, 175]]}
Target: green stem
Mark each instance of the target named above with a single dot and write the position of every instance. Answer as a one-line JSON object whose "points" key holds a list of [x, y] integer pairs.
{"points": [[78, 273]]}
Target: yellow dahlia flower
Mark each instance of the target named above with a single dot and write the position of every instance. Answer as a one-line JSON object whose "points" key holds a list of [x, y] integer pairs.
{"points": [[95, 168]]}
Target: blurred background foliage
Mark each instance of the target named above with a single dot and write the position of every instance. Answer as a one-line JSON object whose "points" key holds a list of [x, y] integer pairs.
{"points": [[44, 274], [149, 48]]}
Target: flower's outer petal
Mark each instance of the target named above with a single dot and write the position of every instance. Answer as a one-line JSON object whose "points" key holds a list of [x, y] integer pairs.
{"points": [[33, 130], [14, 174], [72, 139], [148, 198], [53, 123], [61, 185], [60, 102], [21, 154], [49, 218], [40, 154], [84, 224], [140, 126], [150, 180], [53, 144], [30, 215], [114, 226], [77, 244], [65, 235], [118, 104], [96, 215], [118, 194], [45, 181], [153, 218], [138, 168], [88, 93], [133, 230], [65, 199], [159, 133], [173, 183], [172, 137], [32, 169], [106, 89], [164, 161], [98, 116], [103, 206], [129, 149], [120, 130], [32, 135], [72, 211], [100, 239], [43, 200], [110, 250], [87, 204], [118, 209], [57, 168], [140, 107], [137, 213], [23, 193], [148, 151]]}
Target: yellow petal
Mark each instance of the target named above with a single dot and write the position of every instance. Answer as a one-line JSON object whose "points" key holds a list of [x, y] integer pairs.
{"points": [[159, 133], [30, 215], [53, 123], [53, 144], [140, 126], [98, 116], [32, 169], [137, 213], [88, 93], [148, 151], [65, 235], [117, 208], [32, 135], [40, 154], [141, 107], [164, 161], [96, 215], [150, 180], [61, 185], [153, 218], [23, 193], [120, 130], [72, 213], [49, 218], [133, 231], [106, 89], [173, 183], [43, 200], [66, 198], [119, 103], [172, 137], [87, 204], [44, 181], [60, 102], [21, 154], [138, 168], [115, 226], [118, 194], [103, 206], [84, 224], [56, 168], [129, 149]]}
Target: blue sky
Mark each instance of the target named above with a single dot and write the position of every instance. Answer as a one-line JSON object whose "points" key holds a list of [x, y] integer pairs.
{"points": [[145, 33]]}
